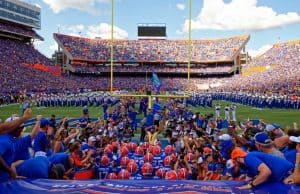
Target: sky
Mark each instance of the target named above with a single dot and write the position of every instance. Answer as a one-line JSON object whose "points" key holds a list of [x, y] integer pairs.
{"points": [[266, 21]]}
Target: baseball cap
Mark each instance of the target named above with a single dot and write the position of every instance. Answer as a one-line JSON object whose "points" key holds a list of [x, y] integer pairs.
{"points": [[224, 137], [44, 123], [12, 118], [295, 139], [200, 160], [238, 153], [270, 128], [92, 138], [262, 138], [276, 126], [229, 164], [225, 146]]}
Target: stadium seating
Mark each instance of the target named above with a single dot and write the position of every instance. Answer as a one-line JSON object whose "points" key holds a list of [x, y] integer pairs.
{"points": [[275, 71], [21, 68], [16, 76], [150, 68], [151, 50]]}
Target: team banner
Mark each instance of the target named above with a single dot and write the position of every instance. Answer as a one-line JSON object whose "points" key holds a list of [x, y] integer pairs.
{"points": [[45, 186], [156, 82]]}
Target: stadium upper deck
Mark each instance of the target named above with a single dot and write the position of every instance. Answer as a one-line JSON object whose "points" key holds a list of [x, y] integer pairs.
{"points": [[278, 69], [163, 51], [286, 53], [9, 28]]}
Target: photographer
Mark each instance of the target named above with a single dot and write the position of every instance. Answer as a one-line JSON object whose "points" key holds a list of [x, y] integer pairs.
{"points": [[183, 163]]}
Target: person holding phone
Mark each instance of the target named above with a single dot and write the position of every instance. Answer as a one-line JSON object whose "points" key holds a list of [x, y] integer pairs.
{"points": [[25, 105]]}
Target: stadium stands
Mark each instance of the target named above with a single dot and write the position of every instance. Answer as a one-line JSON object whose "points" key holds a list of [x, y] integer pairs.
{"points": [[151, 50], [150, 68], [275, 71], [15, 76], [24, 67]]}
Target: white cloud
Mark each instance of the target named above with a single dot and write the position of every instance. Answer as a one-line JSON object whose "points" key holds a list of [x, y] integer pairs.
{"points": [[180, 6], [76, 29], [82, 5], [239, 15], [38, 5], [53, 47], [260, 51], [103, 30], [37, 43]]}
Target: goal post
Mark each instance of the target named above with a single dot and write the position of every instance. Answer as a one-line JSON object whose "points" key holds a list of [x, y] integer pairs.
{"points": [[186, 93]]}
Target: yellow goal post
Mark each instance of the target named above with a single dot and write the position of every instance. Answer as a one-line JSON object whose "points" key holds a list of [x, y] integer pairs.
{"points": [[112, 93]]}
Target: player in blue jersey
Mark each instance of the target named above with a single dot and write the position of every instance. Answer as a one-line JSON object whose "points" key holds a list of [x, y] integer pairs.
{"points": [[103, 169], [148, 172], [138, 157], [158, 158]]}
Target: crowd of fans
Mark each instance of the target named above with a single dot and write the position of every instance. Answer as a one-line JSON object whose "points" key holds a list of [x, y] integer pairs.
{"points": [[17, 62], [174, 144], [152, 50], [282, 77], [91, 69], [16, 77]]}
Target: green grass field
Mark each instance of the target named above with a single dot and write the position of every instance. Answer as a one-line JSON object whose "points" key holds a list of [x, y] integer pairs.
{"points": [[282, 117]]}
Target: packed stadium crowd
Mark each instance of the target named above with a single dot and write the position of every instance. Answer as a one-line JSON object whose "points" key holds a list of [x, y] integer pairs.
{"points": [[283, 76], [132, 140], [174, 144], [151, 68], [151, 50], [16, 77]]}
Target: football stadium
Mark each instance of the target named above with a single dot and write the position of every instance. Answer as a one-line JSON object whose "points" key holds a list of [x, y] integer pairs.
{"points": [[143, 112]]}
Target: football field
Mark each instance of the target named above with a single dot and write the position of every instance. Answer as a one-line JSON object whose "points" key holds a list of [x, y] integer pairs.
{"points": [[283, 117]]}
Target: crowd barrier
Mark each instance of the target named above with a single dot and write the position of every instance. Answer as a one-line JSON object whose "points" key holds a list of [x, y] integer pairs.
{"points": [[45, 186]]}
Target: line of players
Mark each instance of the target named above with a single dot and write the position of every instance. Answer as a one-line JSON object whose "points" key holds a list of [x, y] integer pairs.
{"points": [[227, 110], [62, 100], [143, 162], [97, 99], [260, 100]]}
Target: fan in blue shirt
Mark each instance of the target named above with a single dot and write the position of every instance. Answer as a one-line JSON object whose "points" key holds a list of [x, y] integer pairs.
{"points": [[41, 142], [11, 145], [39, 167], [62, 158], [264, 167], [6, 157]]}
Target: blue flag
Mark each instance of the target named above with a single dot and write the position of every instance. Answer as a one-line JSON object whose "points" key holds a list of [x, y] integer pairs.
{"points": [[156, 82]]}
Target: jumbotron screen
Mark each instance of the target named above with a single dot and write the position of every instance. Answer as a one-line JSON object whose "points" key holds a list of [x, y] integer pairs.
{"points": [[155, 31]]}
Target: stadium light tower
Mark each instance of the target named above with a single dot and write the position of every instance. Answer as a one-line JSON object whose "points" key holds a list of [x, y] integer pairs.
{"points": [[186, 94]]}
